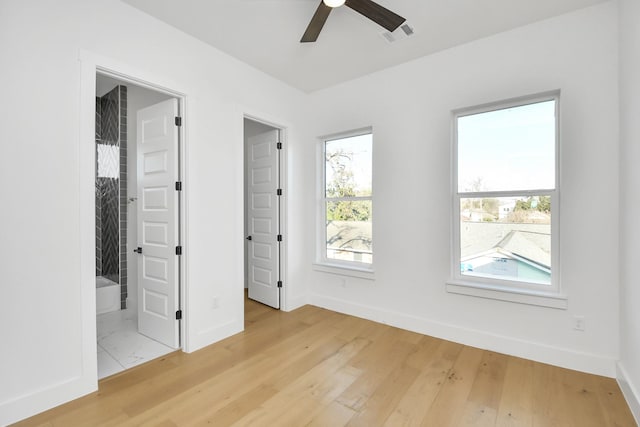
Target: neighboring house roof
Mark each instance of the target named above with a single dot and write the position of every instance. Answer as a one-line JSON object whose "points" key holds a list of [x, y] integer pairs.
{"points": [[530, 241], [355, 235], [530, 245]]}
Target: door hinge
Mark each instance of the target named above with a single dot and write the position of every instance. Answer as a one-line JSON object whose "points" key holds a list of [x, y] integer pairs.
{"points": [[279, 283], [279, 192], [178, 121], [178, 185], [279, 237], [178, 250], [178, 314], [279, 145]]}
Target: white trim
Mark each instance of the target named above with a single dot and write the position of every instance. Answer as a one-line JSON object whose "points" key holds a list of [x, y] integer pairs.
{"points": [[283, 131], [182, 206], [206, 337], [90, 65], [550, 354], [629, 391], [507, 103], [521, 296], [329, 264], [348, 134], [344, 270], [295, 302], [493, 287], [27, 405]]}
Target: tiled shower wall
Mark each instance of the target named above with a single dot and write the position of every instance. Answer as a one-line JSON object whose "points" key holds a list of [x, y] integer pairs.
{"points": [[98, 193], [111, 188], [123, 197]]}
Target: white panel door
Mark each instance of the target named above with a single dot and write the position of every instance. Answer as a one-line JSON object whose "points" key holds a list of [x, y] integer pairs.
{"points": [[263, 218], [157, 164]]}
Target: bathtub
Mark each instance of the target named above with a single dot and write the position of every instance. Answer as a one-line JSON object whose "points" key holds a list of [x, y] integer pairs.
{"points": [[107, 295]]}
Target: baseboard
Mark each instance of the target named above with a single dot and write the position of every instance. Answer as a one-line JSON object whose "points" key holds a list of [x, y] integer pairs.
{"points": [[552, 355], [212, 335], [30, 404], [630, 392], [293, 303]]}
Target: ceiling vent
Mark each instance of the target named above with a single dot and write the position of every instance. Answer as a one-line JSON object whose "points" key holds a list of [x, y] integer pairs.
{"points": [[402, 32]]}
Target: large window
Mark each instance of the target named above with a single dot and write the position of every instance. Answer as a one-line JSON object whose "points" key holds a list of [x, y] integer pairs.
{"points": [[506, 194], [346, 209]]}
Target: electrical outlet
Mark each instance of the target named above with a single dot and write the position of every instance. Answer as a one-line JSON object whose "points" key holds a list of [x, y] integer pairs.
{"points": [[578, 323], [214, 302]]}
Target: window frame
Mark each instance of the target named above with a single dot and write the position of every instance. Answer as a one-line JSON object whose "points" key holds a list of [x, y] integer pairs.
{"points": [[323, 263], [503, 289]]}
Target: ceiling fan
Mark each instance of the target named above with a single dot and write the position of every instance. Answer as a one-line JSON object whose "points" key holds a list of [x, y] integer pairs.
{"points": [[368, 8]]}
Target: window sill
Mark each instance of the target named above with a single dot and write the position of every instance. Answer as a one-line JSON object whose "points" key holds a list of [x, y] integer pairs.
{"points": [[344, 270], [520, 296]]}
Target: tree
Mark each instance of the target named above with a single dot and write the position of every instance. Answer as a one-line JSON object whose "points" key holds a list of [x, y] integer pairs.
{"points": [[538, 203], [342, 184], [524, 209], [491, 206]]}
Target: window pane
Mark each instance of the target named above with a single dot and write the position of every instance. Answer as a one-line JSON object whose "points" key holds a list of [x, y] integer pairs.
{"points": [[348, 166], [108, 161], [506, 238], [508, 149], [349, 231]]}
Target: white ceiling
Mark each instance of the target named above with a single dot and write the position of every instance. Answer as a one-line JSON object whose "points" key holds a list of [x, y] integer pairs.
{"points": [[266, 33]]}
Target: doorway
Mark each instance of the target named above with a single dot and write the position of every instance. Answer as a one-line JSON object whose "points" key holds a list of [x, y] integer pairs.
{"points": [[263, 213], [137, 207]]}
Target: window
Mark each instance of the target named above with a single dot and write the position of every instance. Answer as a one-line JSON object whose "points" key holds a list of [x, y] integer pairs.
{"points": [[346, 210], [506, 195], [108, 160]]}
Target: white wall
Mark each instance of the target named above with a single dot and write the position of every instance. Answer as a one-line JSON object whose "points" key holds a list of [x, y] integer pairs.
{"points": [[629, 366], [48, 355], [409, 108]]}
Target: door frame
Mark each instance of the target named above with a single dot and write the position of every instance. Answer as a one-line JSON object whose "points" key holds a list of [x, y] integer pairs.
{"points": [[91, 65], [282, 172]]}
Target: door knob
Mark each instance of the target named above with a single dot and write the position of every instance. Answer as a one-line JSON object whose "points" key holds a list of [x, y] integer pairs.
{"points": [[248, 238], [139, 250]]}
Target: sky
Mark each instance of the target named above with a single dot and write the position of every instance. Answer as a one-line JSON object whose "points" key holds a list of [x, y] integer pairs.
{"points": [[509, 149], [361, 146]]}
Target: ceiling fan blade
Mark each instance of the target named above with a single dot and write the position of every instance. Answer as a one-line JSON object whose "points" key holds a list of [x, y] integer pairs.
{"points": [[316, 24], [378, 14]]}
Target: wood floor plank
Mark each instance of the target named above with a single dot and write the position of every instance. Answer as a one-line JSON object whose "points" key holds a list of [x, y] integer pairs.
{"points": [[303, 400], [238, 408], [516, 402], [582, 400], [481, 408], [612, 403], [437, 360], [378, 367], [446, 409], [549, 402], [334, 414], [315, 388], [300, 350], [315, 367], [383, 400]]}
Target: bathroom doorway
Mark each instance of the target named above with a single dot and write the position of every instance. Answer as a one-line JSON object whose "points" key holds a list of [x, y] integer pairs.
{"points": [[137, 205]]}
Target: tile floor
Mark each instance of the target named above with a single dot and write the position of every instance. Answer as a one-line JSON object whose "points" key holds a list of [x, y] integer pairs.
{"points": [[120, 346]]}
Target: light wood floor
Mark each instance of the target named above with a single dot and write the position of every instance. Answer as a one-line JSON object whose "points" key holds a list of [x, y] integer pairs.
{"points": [[314, 367]]}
